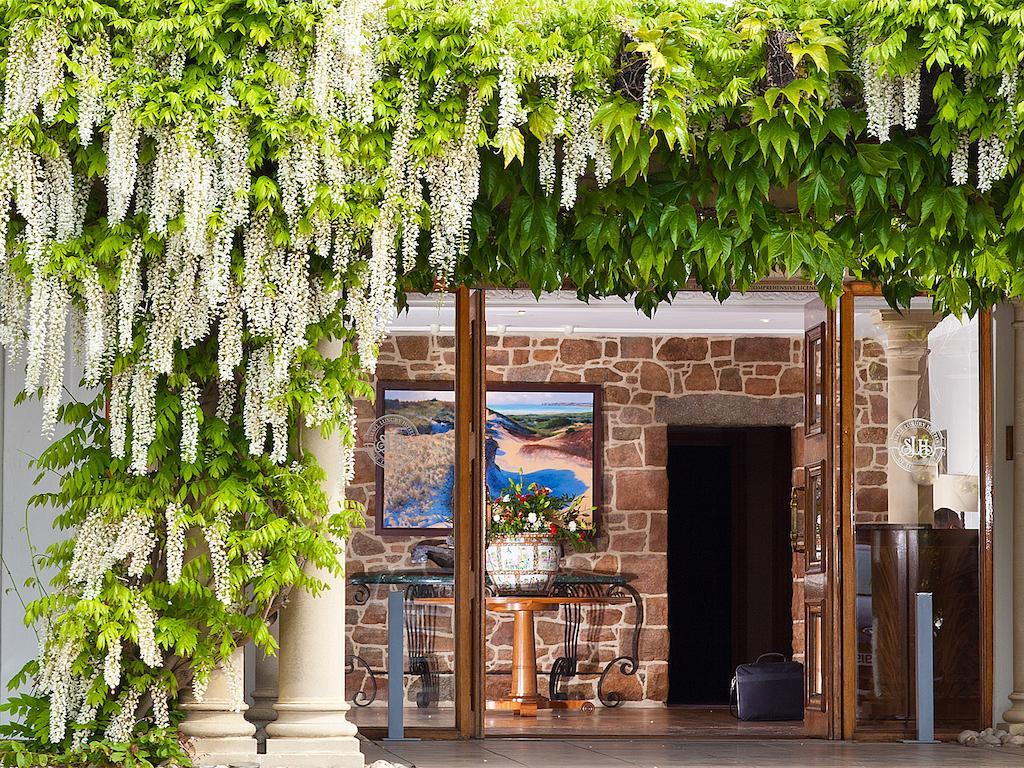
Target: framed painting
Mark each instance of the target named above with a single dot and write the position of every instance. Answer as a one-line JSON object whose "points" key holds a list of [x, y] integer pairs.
{"points": [[414, 448], [549, 434]]}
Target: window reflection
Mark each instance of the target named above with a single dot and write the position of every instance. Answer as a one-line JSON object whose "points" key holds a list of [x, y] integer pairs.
{"points": [[814, 484], [815, 654], [815, 380]]}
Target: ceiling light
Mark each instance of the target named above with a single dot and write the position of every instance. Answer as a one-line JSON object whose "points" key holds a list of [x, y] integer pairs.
{"points": [[765, 320], [521, 312]]}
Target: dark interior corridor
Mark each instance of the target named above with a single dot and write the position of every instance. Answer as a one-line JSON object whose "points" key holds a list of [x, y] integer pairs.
{"points": [[729, 575]]}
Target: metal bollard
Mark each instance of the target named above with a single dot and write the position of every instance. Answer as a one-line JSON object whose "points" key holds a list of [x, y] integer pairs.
{"points": [[925, 671], [396, 666]]}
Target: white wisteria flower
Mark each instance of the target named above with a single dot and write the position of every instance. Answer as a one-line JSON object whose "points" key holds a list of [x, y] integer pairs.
{"points": [[175, 543], [145, 624], [190, 411]]}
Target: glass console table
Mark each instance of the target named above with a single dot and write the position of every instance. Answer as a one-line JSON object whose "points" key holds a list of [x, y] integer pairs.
{"points": [[433, 583]]}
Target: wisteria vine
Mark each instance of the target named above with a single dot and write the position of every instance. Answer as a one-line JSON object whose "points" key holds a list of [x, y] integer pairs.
{"points": [[198, 199]]}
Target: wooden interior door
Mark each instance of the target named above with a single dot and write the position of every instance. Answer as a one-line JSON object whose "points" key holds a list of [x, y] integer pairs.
{"points": [[822, 659]]}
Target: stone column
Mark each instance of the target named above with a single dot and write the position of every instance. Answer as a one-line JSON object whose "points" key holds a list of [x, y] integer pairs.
{"points": [[1014, 716], [218, 728], [910, 499], [264, 692], [311, 728]]}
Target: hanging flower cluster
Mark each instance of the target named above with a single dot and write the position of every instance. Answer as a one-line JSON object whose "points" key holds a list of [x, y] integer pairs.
{"points": [[101, 546], [219, 560], [344, 68], [889, 100], [101, 543], [960, 162], [555, 86], [893, 100], [584, 144], [34, 70]]}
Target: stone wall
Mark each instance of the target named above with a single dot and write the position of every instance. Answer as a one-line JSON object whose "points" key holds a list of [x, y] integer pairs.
{"points": [[871, 415], [643, 379]]}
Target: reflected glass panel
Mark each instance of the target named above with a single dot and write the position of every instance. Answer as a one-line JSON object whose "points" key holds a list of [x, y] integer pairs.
{"points": [[404, 476], [815, 652], [814, 380], [814, 484], [917, 507]]}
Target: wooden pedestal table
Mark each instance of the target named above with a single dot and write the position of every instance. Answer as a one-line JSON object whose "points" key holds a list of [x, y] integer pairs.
{"points": [[523, 698]]}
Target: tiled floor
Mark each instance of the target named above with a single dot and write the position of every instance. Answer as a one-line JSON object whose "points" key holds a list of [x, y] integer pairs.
{"points": [[624, 722], [515, 753]]}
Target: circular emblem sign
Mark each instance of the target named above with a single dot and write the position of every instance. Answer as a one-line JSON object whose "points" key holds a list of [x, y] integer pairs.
{"points": [[916, 443], [382, 433]]}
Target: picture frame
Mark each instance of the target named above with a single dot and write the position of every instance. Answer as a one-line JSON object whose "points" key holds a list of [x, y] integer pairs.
{"points": [[814, 380], [537, 424]]}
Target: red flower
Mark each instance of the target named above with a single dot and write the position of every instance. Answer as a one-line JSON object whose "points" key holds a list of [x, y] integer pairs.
{"points": [[554, 530]]}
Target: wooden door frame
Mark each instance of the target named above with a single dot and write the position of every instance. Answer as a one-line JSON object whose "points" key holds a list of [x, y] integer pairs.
{"points": [[822, 715], [468, 522], [847, 582]]}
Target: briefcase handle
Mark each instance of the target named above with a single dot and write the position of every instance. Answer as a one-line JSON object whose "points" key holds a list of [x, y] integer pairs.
{"points": [[773, 656]]}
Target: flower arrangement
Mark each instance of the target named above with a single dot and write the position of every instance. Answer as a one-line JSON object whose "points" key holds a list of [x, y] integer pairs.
{"points": [[533, 509]]}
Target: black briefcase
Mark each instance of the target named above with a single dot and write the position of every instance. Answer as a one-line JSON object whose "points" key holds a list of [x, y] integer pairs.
{"points": [[769, 690]]}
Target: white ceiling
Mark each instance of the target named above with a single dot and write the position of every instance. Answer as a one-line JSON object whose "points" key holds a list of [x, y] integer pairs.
{"points": [[767, 313]]}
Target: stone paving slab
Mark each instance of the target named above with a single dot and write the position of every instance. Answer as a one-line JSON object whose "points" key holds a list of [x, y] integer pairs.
{"points": [[546, 753]]}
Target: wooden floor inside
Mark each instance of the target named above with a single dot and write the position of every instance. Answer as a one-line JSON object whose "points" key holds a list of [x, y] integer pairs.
{"points": [[634, 722]]}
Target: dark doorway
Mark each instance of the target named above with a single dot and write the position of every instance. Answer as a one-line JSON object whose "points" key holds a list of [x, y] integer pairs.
{"points": [[730, 576]]}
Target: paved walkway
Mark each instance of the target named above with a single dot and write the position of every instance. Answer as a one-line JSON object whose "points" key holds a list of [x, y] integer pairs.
{"points": [[515, 753]]}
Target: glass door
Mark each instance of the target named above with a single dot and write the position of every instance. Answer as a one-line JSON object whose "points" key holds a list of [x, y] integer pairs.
{"points": [[413, 475], [919, 510]]}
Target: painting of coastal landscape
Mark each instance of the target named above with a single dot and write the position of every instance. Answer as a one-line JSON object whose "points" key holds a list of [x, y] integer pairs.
{"points": [[416, 485], [545, 434]]}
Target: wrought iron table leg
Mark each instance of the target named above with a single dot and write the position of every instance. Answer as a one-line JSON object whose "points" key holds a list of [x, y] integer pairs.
{"points": [[629, 663], [565, 665], [421, 636], [361, 698]]}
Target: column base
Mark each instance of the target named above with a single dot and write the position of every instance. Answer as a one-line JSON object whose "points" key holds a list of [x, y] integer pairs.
{"points": [[1014, 716], [330, 752], [224, 750], [261, 714], [310, 720]]}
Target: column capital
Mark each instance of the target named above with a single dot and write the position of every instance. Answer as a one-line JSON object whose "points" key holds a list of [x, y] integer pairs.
{"points": [[907, 329], [1018, 312]]}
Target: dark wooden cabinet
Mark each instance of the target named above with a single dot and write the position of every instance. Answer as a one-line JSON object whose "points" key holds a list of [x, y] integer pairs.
{"points": [[893, 563]]}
